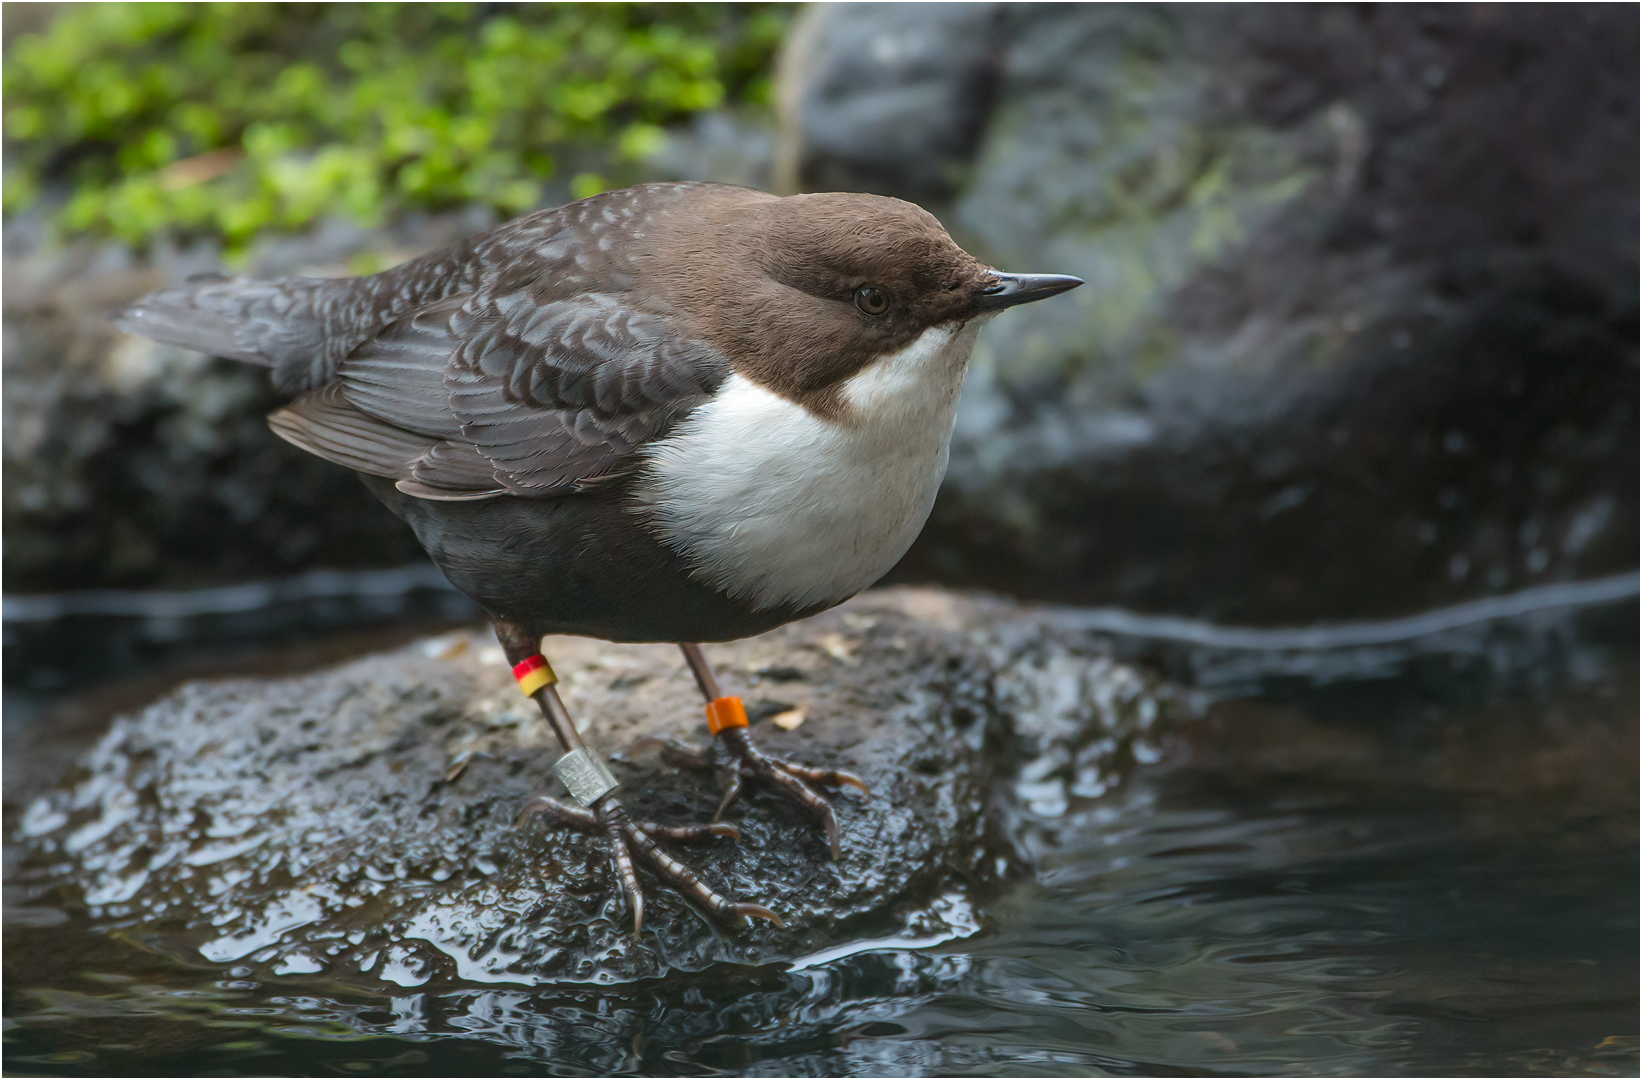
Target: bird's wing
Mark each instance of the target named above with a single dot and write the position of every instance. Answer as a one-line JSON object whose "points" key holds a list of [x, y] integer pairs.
{"points": [[484, 395], [325, 423]]}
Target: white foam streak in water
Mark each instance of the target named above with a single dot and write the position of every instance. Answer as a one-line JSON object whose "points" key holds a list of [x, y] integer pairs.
{"points": [[953, 909], [1326, 636], [224, 599]]}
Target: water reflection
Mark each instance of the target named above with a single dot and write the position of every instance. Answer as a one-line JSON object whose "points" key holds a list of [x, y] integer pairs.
{"points": [[1299, 934]]}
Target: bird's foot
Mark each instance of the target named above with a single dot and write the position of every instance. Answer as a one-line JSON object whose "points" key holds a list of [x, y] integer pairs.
{"points": [[739, 759], [627, 838]]}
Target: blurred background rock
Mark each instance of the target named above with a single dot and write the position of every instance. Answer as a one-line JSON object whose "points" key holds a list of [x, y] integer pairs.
{"points": [[1360, 329], [1360, 334]]}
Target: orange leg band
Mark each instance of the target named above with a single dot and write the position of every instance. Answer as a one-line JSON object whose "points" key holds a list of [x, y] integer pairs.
{"points": [[725, 712], [533, 673]]}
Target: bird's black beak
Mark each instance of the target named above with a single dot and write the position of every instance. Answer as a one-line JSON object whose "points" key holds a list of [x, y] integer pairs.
{"points": [[1013, 289]]}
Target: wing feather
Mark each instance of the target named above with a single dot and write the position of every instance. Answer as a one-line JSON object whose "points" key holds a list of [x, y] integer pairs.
{"points": [[550, 396], [325, 423]]}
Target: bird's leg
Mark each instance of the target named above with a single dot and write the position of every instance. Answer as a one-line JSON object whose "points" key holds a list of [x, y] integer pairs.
{"points": [[727, 720], [597, 810]]}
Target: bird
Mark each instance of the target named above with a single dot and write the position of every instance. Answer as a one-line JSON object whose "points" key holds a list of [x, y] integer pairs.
{"points": [[677, 412]]}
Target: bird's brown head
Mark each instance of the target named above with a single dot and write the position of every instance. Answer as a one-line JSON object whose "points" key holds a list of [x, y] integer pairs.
{"points": [[803, 292]]}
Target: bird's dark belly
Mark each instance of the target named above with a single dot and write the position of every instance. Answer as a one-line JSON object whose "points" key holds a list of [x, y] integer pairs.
{"points": [[580, 564]]}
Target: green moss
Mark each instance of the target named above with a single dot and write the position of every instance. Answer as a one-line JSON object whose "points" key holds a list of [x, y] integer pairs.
{"points": [[227, 119]]}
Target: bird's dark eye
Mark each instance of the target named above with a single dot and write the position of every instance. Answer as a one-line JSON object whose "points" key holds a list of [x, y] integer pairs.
{"points": [[872, 299]]}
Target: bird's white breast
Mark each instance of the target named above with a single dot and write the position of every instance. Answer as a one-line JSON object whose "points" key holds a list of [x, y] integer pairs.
{"points": [[775, 505]]}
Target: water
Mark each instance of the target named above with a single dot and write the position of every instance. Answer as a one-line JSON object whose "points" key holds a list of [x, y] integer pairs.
{"points": [[1386, 874], [61, 641]]}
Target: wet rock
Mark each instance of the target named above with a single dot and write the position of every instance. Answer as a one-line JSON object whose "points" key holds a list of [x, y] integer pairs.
{"points": [[358, 822], [1360, 329]]}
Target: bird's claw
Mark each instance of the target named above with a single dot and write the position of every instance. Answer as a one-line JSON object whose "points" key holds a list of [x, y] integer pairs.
{"points": [[745, 760], [628, 839]]}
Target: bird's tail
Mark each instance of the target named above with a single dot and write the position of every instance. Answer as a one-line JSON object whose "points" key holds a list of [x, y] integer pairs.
{"points": [[273, 323]]}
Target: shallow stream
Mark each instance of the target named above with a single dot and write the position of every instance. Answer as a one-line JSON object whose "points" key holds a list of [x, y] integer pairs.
{"points": [[1408, 862]]}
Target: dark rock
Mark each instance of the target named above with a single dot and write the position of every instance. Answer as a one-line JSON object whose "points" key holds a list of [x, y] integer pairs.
{"points": [[305, 825], [1498, 456], [893, 100], [1360, 329]]}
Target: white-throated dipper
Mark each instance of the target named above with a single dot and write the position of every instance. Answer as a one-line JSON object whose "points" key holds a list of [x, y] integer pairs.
{"points": [[673, 413]]}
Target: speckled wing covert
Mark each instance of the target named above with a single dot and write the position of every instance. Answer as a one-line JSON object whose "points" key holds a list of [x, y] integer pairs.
{"points": [[483, 395]]}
